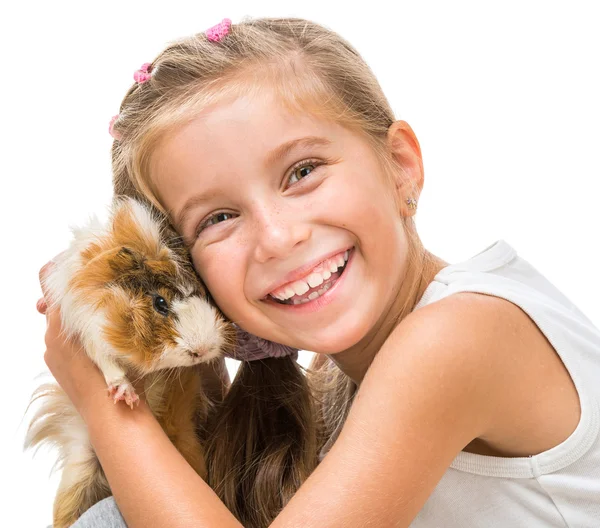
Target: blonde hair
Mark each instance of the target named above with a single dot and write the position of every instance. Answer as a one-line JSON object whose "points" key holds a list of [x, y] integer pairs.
{"points": [[264, 440]]}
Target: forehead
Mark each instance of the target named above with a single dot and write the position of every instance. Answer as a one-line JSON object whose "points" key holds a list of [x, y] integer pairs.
{"points": [[255, 123], [231, 137]]}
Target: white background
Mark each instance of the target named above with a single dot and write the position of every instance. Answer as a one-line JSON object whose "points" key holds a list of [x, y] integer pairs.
{"points": [[503, 96]]}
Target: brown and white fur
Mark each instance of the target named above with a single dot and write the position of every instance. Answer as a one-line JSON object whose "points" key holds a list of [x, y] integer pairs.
{"points": [[129, 292]]}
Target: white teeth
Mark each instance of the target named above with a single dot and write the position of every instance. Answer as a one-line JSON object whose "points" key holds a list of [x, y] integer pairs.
{"points": [[313, 295], [301, 301], [289, 292], [315, 279], [300, 287], [321, 273], [324, 289]]}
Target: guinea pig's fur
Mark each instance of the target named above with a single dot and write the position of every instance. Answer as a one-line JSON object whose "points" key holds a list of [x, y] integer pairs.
{"points": [[129, 292]]}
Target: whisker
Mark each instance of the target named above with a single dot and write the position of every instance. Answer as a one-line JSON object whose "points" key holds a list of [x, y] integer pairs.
{"points": [[179, 378]]}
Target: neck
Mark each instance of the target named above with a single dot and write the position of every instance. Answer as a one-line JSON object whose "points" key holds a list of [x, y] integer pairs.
{"points": [[355, 360]]}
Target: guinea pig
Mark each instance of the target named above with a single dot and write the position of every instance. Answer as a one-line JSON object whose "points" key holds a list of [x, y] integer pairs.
{"points": [[128, 290]]}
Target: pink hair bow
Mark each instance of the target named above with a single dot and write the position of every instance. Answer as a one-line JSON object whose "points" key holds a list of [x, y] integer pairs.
{"points": [[218, 31], [143, 74], [111, 130]]}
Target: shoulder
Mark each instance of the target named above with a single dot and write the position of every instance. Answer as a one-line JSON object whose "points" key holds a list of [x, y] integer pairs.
{"points": [[497, 359], [468, 340], [455, 351], [468, 360], [476, 331], [529, 382]]}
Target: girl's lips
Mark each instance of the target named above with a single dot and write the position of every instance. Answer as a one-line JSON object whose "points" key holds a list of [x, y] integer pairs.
{"points": [[319, 302], [302, 272]]}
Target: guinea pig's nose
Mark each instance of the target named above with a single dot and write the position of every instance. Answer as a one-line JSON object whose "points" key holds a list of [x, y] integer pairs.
{"points": [[195, 353]]}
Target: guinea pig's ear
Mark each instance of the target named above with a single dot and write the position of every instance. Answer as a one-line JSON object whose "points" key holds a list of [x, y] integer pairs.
{"points": [[127, 259]]}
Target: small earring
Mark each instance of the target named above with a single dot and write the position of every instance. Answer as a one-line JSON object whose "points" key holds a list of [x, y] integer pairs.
{"points": [[412, 203]]}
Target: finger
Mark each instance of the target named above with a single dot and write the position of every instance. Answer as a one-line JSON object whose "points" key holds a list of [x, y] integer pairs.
{"points": [[43, 276], [54, 328], [45, 270], [53, 318], [41, 305]]}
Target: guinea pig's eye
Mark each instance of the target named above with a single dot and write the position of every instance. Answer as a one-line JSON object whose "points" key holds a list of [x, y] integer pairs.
{"points": [[160, 305]]}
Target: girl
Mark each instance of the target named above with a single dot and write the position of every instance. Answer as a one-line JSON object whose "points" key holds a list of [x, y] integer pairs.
{"points": [[441, 394]]}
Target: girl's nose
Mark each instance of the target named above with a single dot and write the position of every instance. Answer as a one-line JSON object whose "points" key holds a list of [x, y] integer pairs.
{"points": [[277, 233]]}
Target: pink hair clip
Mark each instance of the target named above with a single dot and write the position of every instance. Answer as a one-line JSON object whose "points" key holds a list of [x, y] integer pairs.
{"points": [[217, 32], [143, 74], [111, 130]]}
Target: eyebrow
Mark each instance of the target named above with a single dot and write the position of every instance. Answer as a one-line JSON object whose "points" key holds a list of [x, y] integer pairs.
{"points": [[284, 149], [277, 154]]}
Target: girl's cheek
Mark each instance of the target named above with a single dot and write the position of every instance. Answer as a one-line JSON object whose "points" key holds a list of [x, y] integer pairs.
{"points": [[220, 272]]}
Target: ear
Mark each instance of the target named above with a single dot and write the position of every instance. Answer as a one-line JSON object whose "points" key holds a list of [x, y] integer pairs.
{"points": [[405, 149]]}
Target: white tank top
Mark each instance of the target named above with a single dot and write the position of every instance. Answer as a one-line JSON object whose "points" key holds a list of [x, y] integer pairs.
{"points": [[560, 486]]}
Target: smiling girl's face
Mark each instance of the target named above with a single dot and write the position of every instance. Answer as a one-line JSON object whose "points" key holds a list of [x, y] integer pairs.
{"points": [[262, 196]]}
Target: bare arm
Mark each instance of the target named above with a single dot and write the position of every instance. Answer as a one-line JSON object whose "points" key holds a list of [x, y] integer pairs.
{"points": [[152, 483]]}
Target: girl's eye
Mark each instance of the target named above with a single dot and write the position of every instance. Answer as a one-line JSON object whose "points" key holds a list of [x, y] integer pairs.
{"points": [[300, 170], [212, 220], [217, 218]]}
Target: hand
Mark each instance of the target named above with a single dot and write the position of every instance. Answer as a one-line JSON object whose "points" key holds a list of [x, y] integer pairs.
{"points": [[66, 358]]}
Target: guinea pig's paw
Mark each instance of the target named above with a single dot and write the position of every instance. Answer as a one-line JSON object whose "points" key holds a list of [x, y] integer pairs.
{"points": [[122, 389]]}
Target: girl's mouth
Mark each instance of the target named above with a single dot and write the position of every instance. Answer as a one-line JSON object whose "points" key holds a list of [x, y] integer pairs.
{"points": [[317, 291]]}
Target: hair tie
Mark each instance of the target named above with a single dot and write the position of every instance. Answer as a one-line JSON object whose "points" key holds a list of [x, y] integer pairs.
{"points": [[218, 31], [111, 129], [140, 76], [143, 74], [250, 347]]}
